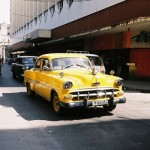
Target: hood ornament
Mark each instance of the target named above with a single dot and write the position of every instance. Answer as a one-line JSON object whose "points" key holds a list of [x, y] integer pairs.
{"points": [[61, 74], [93, 71], [96, 84]]}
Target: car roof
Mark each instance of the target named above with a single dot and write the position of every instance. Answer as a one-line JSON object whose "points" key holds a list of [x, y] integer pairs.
{"points": [[86, 53], [59, 55], [26, 56], [94, 55]]}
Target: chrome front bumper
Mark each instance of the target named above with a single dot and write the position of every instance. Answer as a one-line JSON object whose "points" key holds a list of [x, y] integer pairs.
{"points": [[86, 103]]}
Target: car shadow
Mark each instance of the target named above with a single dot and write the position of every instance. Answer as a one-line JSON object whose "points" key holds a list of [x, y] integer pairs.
{"points": [[38, 108]]}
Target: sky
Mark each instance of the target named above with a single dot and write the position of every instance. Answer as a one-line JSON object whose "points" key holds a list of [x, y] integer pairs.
{"points": [[5, 11]]}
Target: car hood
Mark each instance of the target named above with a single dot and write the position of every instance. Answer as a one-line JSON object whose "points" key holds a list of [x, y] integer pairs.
{"points": [[87, 79]]}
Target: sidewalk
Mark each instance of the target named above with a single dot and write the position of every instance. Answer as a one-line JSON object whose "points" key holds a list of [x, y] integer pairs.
{"points": [[142, 86]]}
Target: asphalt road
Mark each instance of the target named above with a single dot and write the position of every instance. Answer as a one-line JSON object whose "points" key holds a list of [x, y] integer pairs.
{"points": [[30, 124]]}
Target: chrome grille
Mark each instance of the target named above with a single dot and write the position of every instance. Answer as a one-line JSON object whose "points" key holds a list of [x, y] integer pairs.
{"points": [[93, 94]]}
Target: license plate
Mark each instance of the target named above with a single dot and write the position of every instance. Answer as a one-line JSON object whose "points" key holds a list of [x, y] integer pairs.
{"points": [[100, 102]]}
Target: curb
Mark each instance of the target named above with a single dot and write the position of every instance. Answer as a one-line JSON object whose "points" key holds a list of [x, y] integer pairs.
{"points": [[126, 88]]}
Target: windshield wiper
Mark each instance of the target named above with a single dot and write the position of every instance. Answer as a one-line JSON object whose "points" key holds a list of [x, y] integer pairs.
{"points": [[82, 66], [68, 66]]}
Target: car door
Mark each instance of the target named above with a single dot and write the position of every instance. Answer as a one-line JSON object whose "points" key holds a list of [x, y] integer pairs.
{"points": [[45, 79], [41, 83], [37, 72], [17, 66]]}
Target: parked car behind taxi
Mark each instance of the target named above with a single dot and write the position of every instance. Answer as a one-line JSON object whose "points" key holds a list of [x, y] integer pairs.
{"points": [[21, 64], [96, 61]]}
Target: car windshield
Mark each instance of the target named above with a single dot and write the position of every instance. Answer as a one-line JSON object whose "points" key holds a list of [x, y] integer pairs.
{"points": [[70, 62], [28, 60], [96, 60]]}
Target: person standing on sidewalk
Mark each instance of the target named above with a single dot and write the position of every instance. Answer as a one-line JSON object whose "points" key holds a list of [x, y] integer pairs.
{"points": [[1, 63]]}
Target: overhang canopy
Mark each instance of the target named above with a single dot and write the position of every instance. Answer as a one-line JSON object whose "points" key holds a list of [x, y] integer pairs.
{"points": [[38, 35], [136, 24]]}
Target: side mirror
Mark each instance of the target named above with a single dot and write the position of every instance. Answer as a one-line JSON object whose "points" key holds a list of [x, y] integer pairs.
{"points": [[112, 72], [46, 68]]}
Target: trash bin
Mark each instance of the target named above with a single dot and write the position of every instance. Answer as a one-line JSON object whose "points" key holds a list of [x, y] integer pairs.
{"points": [[132, 71]]}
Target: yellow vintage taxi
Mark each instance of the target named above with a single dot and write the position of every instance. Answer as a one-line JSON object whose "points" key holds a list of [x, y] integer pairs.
{"points": [[70, 81]]}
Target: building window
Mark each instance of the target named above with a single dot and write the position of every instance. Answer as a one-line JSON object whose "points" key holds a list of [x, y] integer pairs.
{"points": [[27, 25], [52, 10], [45, 15], [24, 27], [60, 5], [35, 21], [69, 2], [31, 22], [40, 18]]}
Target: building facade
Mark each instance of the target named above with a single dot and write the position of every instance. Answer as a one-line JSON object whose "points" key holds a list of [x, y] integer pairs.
{"points": [[118, 31], [4, 39]]}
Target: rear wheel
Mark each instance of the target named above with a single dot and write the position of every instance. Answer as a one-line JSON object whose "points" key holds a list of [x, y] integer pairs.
{"points": [[21, 79], [29, 91], [110, 107], [14, 75], [55, 104]]}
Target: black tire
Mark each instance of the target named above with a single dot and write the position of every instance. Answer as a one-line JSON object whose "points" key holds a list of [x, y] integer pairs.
{"points": [[29, 91], [110, 107], [14, 75], [21, 79], [55, 104]]}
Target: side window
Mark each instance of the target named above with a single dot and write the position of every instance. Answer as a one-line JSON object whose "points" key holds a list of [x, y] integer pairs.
{"points": [[45, 63], [37, 65]]}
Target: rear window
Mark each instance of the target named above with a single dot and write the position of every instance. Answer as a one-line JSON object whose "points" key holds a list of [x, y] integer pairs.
{"points": [[28, 60]]}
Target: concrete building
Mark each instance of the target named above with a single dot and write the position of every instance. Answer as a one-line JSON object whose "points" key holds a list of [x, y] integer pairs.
{"points": [[4, 39], [118, 30]]}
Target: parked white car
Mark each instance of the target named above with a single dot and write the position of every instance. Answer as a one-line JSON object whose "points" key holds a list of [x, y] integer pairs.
{"points": [[96, 61]]}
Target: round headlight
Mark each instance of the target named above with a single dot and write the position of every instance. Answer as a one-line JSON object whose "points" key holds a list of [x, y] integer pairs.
{"points": [[68, 85], [119, 82]]}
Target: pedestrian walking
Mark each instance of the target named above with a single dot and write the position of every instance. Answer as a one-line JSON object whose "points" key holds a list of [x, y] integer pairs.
{"points": [[1, 63], [107, 63], [119, 66]]}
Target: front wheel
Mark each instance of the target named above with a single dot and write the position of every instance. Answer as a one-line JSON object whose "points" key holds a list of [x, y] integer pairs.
{"points": [[55, 104], [29, 91], [110, 107]]}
